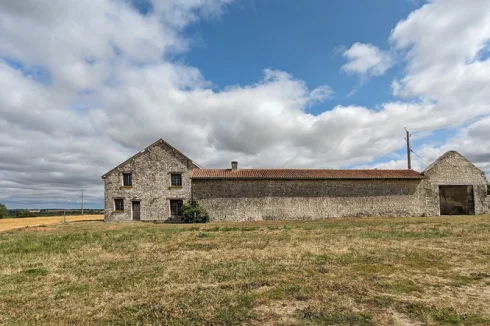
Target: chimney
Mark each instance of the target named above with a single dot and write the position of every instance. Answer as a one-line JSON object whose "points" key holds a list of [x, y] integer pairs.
{"points": [[234, 165]]}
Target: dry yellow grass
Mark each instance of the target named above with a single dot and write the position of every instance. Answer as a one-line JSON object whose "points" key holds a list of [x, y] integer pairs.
{"points": [[384, 271], [16, 223]]}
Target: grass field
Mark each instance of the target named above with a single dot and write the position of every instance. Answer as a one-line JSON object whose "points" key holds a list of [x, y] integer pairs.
{"points": [[399, 271], [15, 223]]}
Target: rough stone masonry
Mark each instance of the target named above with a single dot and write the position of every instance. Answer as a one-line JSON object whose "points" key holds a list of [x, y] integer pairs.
{"points": [[162, 179]]}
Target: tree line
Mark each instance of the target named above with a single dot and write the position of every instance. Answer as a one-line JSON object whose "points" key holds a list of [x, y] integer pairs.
{"points": [[21, 213]]}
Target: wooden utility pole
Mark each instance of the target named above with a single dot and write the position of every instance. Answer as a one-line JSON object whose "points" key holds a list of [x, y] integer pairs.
{"points": [[82, 201], [409, 159]]}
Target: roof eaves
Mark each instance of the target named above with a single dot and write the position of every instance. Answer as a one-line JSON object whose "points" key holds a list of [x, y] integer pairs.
{"points": [[306, 178], [129, 159], [430, 166], [144, 150], [198, 166], [175, 149], [440, 158]]}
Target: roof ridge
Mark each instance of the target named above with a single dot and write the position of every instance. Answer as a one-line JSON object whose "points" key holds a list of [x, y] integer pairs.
{"points": [[443, 156], [160, 140], [309, 169], [305, 174]]}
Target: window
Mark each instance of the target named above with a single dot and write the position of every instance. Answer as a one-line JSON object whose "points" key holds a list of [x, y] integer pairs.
{"points": [[176, 179], [119, 203], [127, 179], [176, 208]]}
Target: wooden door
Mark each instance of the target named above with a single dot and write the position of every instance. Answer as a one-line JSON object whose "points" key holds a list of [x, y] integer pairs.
{"points": [[136, 211]]}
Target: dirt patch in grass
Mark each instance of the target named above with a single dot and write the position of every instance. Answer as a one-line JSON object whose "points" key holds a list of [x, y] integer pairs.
{"points": [[278, 312], [399, 271]]}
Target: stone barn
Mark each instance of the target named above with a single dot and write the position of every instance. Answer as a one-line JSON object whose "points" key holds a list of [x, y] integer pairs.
{"points": [[266, 194], [455, 187], [154, 184]]}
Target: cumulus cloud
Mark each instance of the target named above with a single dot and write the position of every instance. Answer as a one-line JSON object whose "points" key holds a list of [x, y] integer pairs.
{"points": [[51, 145], [472, 141], [109, 88], [366, 60], [445, 44]]}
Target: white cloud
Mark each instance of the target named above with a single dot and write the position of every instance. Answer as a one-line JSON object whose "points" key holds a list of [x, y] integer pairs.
{"points": [[366, 60], [445, 48], [114, 89], [320, 93], [443, 41], [446, 44], [471, 141], [50, 143]]}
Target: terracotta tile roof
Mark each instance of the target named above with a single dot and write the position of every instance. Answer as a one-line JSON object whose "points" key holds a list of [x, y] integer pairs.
{"points": [[303, 174]]}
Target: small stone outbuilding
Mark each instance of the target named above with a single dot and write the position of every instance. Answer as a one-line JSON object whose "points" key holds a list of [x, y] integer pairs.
{"points": [[455, 186], [154, 184]]}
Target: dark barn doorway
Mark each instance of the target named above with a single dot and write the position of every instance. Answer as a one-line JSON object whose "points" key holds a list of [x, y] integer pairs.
{"points": [[456, 200], [136, 211]]}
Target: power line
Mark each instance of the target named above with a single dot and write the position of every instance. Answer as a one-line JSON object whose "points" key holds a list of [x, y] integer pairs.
{"points": [[478, 116], [411, 150]]}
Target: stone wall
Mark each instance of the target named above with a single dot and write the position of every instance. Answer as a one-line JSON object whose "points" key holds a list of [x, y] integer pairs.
{"points": [[238, 200], [261, 199], [151, 183], [454, 169]]}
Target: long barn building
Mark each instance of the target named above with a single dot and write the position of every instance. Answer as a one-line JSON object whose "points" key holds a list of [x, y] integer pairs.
{"points": [[155, 183]]}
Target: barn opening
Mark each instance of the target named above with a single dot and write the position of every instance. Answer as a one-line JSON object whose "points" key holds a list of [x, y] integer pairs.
{"points": [[456, 200]]}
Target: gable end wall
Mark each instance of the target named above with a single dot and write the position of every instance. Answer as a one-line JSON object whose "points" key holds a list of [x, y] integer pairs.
{"points": [[453, 169], [151, 184]]}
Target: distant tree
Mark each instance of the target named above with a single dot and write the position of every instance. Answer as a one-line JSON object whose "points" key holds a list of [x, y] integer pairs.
{"points": [[488, 188], [4, 213], [21, 214]]}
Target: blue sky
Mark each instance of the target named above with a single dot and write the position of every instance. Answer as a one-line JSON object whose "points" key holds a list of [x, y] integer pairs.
{"points": [[304, 40], [270, 83]]}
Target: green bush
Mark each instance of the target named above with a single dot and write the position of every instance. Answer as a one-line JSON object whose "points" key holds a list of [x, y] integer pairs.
{"points": [[22, 214], [3, 211], [194, 213]]}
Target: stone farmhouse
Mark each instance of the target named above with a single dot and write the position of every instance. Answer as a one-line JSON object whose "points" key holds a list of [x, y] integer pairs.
{"points": [[154, 184]]}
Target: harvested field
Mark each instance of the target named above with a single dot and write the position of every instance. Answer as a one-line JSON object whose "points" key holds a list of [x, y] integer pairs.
{"points": [[15, 223], [393, 271]]}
